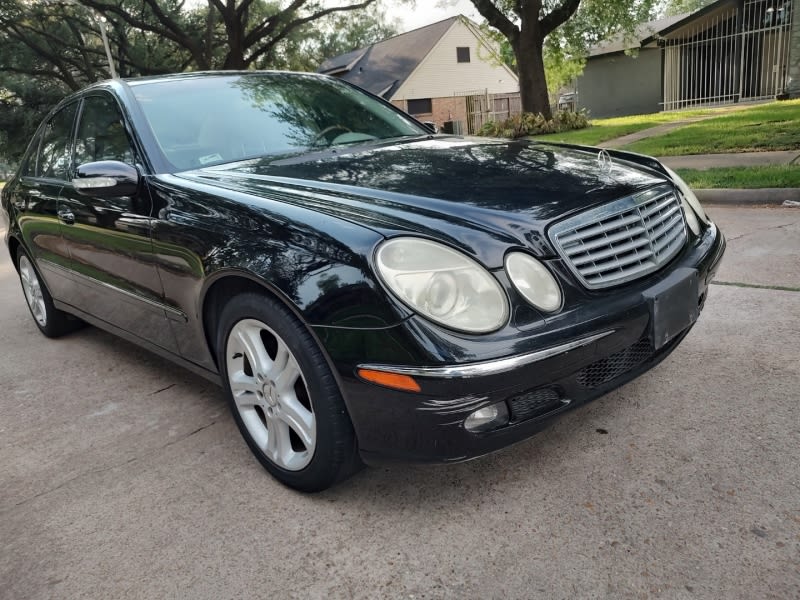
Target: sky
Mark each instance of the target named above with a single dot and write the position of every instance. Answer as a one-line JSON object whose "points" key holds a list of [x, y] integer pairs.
{"points": [[426, 12]]}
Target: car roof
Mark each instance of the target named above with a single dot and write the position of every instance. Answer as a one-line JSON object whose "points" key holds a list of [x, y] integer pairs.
{"points": [[135, 81]]}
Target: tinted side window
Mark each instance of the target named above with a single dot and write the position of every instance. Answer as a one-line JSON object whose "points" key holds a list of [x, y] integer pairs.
{"points": [[101, 133], [28, 167], [55, 149]]}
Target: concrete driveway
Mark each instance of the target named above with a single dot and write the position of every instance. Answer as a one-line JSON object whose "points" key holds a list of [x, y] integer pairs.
{"points": [[122, 476]]}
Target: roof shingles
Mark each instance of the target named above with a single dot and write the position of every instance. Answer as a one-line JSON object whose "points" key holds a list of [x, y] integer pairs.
{"points": [[620, 43], [385, 65]]}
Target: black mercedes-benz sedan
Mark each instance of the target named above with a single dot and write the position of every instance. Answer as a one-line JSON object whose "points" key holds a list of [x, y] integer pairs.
{"points": [[364, 290]]}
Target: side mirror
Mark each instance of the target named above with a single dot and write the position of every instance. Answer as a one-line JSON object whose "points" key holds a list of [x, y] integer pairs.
{"points": [[107, 179]]}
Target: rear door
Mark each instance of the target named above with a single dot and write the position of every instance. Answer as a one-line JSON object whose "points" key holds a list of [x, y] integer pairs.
{"points": [[109, 239], [35, 197]]}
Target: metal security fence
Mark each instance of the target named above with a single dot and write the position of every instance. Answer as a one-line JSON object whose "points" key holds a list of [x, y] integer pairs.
{"points": [[738, 52], [765, 48]]}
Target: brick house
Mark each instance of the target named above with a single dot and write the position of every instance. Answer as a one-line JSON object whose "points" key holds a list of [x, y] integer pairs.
{"points": [[430, 72]]}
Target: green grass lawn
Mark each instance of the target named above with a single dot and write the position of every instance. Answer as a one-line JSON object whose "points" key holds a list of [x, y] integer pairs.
{"points": [[774, 176], [774, 126], [602, 130]]}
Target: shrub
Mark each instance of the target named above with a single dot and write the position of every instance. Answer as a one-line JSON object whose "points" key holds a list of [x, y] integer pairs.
{"points": [[535, 124]]}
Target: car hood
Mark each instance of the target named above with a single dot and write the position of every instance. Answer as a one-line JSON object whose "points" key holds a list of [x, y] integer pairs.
{"points": [[447, 187]]}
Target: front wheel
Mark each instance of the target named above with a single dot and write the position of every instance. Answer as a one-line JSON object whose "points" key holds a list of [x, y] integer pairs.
{"points": [[283, 395]]}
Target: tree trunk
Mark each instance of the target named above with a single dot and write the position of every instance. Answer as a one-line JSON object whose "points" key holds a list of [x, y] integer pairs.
{"points": [[234, 28], [234, 59], [532, 79]]}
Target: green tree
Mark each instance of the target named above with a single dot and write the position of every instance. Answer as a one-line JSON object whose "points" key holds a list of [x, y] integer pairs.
{"points": [[679, 7], [308, 48], [49, 48], [568, 26], [560, 67], [225, 34], [350, 32]]}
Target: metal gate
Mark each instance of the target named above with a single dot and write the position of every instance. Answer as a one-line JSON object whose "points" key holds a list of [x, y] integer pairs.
{"points": [[765, 48], [738, 52], [477, 109], [483, 107]]}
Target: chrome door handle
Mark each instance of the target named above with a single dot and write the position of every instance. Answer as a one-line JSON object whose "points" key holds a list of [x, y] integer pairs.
{"points": [[35, 193], [66, 216]]}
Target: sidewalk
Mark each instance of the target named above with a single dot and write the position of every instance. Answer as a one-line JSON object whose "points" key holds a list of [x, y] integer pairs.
{"points": [[667, 127], [651, 132], [758, 197], [702, 162], [742, 159]]}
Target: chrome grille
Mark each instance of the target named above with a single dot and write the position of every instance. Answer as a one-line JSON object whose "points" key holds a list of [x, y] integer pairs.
{"points": [[623, 240]]}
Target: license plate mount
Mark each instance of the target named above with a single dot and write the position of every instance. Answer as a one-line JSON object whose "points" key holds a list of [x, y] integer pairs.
{"points": [[673, 305]]}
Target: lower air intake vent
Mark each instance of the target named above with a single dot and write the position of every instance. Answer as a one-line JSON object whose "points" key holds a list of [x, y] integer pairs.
{"points": [[611, 367], [536, 403]]}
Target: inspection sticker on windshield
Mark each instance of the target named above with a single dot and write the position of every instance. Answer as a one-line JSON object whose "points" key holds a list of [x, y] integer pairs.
{"points": [[209, 158]]}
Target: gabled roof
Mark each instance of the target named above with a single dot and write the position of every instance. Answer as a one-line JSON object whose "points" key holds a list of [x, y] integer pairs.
{"points": [[383, 67], [619, 42], [341, 63], [647, 33], [698, 19]]}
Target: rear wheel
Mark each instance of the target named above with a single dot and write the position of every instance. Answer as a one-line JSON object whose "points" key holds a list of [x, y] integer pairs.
{"points": [[50, 321], [283, 395]]}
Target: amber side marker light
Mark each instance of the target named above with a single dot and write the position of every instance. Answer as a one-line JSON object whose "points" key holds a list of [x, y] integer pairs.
{"points": [[390, 380]]}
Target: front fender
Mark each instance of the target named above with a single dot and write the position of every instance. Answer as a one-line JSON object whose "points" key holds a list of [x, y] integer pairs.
{"points": [[317, 264]]}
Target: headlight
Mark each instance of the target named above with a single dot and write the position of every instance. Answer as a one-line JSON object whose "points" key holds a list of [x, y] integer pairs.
{"points": [[442, 285], [690, 198], [533, 281]]}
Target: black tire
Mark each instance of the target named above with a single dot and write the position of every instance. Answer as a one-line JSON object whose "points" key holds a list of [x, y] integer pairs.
{"points": [[51, 322], [258, 412]]}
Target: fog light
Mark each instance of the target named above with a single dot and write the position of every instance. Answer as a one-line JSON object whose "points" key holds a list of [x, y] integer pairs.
{"points": [[487, 418]]}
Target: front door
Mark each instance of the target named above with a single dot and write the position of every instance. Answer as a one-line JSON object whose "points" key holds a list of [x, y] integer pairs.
{"points": [[109, 239]]}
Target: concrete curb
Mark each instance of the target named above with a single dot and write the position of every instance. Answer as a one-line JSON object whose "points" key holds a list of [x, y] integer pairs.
{"points": [[757, 197]]}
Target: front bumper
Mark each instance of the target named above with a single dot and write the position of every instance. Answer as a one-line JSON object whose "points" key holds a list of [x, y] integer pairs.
{"points": [[603, 348]]}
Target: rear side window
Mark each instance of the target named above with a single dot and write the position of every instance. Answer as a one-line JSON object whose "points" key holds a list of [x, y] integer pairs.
{"points": [[101, 133], [28, 167], [55, 149]]}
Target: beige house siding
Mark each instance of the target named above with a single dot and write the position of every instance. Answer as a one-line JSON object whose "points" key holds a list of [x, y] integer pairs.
{"points": [[441, 75]]}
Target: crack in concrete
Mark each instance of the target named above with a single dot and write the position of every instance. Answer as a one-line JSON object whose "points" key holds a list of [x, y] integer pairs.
{"points": [[109, 467], [756, 286], [738, 237], [164, 389]]}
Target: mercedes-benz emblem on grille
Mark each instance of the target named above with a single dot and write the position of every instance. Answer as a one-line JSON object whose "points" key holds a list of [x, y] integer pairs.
{"points": [[604, 161]]}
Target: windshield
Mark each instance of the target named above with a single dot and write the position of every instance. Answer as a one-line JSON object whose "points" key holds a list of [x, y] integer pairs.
{"points": [[211, 120]]}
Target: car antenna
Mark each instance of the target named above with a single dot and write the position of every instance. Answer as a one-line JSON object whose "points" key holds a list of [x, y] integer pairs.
{"points": [[102, 23]]}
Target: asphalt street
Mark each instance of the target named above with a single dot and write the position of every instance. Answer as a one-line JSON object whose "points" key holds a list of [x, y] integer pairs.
{"points": [[122, 476]]}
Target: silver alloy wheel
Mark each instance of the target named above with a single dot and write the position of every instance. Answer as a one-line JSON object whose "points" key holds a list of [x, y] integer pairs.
{"points": [[271, 394], [33, 291]]}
